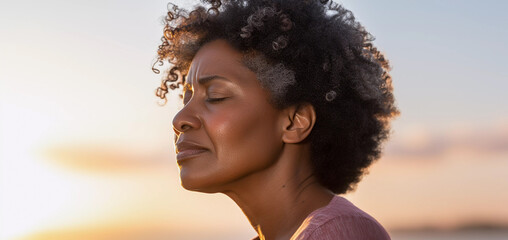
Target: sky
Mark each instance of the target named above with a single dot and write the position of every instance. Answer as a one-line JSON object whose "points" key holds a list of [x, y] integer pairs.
{"points": [[86, 150]]}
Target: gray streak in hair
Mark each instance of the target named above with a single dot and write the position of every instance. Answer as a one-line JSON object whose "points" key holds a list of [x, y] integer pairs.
{"points": [[274, 77]]}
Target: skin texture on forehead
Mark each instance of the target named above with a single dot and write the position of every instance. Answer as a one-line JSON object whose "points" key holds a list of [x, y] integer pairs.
{"points": [[225, 60]]}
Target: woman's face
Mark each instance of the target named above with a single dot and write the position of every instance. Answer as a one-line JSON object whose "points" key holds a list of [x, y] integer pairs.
{"points": [[227, 130]]}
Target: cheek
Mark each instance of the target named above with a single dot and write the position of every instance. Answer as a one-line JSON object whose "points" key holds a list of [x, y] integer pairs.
{"points": [[245, 136]]}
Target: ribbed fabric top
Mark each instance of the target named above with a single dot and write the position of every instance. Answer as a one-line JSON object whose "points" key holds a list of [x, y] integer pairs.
{"points": [[340, 220]]}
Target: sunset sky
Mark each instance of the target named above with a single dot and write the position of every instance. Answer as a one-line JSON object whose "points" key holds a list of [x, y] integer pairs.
{"points": [[86, 151]]}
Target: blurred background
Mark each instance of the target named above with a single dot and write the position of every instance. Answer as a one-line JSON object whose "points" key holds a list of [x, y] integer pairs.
{"points": [[86, 151]]}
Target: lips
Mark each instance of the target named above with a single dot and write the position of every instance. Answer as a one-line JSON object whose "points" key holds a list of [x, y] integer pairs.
{"points": [[186, 150]]}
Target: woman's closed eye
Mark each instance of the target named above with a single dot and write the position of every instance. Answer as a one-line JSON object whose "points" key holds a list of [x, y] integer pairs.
{"points": [[216, 99], [216, 95]]}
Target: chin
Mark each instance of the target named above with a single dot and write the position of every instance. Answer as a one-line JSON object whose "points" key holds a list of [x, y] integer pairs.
{"points": [[197, 185], [197, 188]]}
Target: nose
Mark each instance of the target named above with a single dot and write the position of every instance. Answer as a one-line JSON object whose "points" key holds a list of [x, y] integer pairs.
{"points": [[185, 120]]}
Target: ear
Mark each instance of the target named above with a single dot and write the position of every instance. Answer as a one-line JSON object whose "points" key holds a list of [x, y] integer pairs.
{"points": [[300, 120]]}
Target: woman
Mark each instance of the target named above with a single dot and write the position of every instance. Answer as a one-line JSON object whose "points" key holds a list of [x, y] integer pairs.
{"points": [[286, 104]]}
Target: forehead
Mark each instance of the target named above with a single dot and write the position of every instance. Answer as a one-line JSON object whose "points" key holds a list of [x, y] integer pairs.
{"points": [[217, 58]]}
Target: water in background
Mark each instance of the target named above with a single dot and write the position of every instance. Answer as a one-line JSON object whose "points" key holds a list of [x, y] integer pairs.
{"points": [[462, 235]]}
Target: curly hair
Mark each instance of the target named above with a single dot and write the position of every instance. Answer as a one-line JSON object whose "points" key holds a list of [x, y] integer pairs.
{"points": [[316, 53]]}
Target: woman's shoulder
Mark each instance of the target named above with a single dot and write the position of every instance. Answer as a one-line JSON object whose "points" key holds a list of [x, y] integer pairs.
{"points": [[340, 219]]}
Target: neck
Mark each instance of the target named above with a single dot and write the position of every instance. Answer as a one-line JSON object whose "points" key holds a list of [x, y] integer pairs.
{"points": [[278, 199]]}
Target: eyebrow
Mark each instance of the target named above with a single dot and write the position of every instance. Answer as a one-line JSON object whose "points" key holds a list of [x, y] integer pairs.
{"points": [[204, 80]]}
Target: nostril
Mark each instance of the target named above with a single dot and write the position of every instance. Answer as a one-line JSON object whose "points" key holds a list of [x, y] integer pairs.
{"points": [[180, 126], [185, 127]]}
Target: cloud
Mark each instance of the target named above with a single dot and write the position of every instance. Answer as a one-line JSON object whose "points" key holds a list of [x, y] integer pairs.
{"points": [[107, 159], [482, 140]]}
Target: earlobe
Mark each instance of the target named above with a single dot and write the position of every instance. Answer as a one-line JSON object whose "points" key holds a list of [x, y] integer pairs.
{"points": [[300, 121]]}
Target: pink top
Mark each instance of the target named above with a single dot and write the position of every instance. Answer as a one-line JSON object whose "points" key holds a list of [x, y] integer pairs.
{"points": [[340, 220]]}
